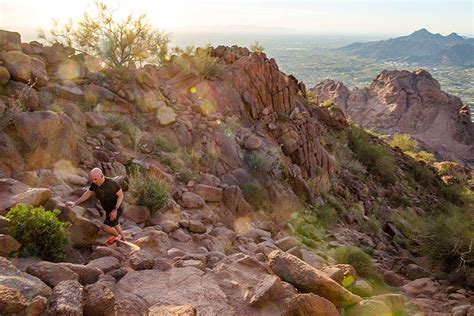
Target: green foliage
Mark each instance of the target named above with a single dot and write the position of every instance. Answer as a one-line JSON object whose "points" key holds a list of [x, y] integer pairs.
{"points": [[255, 194], [328, 104], [185, 163], [327, 215], [421, 173], [376, 157], [256, 47], [164, 143], [117, 43], [456, 194], [357, 258], [149, 191], [404, 142], [422, 156], [307, 227], [39, 232], [205, 65], [125, 125], [259, 163], [448, 238]]}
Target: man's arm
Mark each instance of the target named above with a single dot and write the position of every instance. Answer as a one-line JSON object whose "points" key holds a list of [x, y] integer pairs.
{"points": [[119, 194], [83, 198]]}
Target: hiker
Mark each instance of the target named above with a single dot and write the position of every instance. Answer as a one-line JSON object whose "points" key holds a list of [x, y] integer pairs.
{"points": [[110, 195]]}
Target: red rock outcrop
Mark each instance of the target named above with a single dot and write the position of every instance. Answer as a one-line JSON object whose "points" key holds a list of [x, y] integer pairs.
{"points": [[409, 103]]}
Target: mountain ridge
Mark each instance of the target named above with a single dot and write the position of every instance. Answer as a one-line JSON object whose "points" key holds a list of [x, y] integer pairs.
{"points": [[420, 47]]}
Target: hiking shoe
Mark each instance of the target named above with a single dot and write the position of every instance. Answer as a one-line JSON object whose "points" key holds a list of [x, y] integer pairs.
{"points": [[112, 240]]}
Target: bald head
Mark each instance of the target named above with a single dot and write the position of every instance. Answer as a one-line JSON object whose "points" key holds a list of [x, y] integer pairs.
{"points": [[96, 172], [97, 176]]}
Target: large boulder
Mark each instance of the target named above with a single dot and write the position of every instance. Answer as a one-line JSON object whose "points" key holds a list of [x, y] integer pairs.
{"points": [[33, 196], [308, 279], [51, 273], [9, 41], [141, 260], [87, 275], [29, 286], [310, 305], [136, 213], [208, 193], [11, 161], [98, 300], [192, 200], [369, 308], [105, 263], [9, 245], [66, 299], [48, 137], [179, 286], [12, 302], [25, 68]]}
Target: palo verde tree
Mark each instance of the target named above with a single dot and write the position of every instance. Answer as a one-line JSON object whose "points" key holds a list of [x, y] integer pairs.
{"points": [[127, 42]]}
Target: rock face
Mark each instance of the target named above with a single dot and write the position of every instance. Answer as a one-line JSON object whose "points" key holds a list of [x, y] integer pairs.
{"points": [[311, 304], [28, 285], [183, 286], [66, 299], [308, 279], [409, 103]]}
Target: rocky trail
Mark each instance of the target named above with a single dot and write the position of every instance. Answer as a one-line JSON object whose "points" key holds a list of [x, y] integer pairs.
{"points": [[243, 153]]}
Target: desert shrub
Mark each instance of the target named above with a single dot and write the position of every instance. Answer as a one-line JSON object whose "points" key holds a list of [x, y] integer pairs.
{"points": [[125, 125], [327, 215], [149, 191], [255, 194], [117, 42], [456, 194], [256, 47], [448, 238], [259, 163], [404, 142], [205, 65], [423, 156], [357, 258], [39, 232], [306, 227], [376, 157], [164, 143], [421, 173]]}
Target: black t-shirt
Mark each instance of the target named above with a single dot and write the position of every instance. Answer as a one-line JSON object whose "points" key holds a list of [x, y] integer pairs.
{"points": [[106, 193]]}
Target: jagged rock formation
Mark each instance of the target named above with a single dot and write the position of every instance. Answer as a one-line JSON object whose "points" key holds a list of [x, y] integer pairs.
{"points": [[409, 103], [206, 252]]}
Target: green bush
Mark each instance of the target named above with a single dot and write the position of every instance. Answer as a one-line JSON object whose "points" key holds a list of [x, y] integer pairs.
{"points": [[205, 65], [448, 238], [257, 48], [259, 163], [357, 258], [255, 194], [421, 173], [149, 191], [307, 227], [404, 142], [164, 143], [377, 158], [39, 232]]}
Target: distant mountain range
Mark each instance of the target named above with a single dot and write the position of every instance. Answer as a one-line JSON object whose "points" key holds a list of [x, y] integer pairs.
{"points": [[420, 47]]}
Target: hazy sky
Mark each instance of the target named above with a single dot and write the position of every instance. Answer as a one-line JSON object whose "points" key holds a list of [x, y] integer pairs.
{"points": [[384, 17]]}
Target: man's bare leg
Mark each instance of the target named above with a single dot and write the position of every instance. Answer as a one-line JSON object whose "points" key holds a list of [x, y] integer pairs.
{"points": [[110, 230], [118, 228]]}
